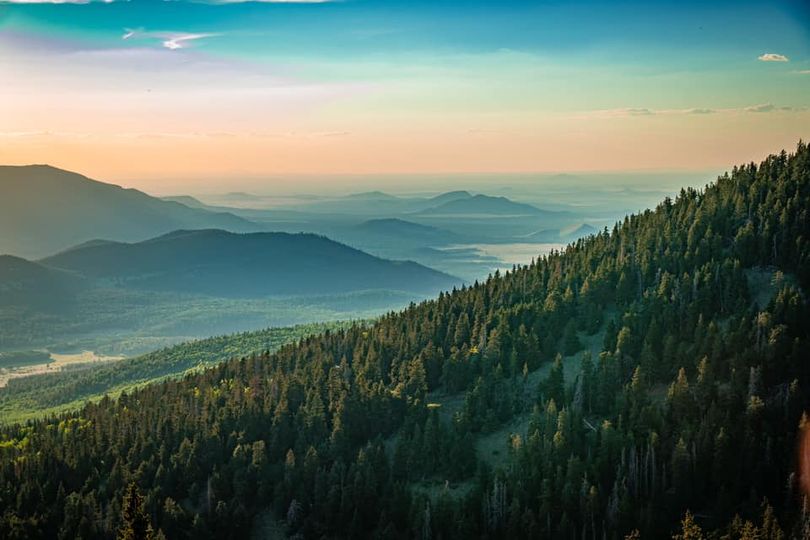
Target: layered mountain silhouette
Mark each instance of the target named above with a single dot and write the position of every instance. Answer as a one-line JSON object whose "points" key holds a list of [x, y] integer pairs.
{"points": [[44, 209], [482, 204], [219, 263], [449, 197]]}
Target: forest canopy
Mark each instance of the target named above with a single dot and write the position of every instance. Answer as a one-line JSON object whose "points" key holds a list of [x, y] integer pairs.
{"points": [[681, 422]]}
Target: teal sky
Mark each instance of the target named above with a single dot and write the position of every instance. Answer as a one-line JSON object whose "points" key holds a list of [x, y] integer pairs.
{"points": [[145, 89]]}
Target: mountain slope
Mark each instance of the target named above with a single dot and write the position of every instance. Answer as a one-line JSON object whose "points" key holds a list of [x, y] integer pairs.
{"points": [[372, 196], [219, 263], [483, 204], [449, 197], [44, 209], [693, 407], [578, 231], [27, 285], [564, 235], [35, 397], [186, 200]]}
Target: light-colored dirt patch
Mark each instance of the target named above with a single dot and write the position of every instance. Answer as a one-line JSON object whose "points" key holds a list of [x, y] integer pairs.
{"points": [[84, 357]]}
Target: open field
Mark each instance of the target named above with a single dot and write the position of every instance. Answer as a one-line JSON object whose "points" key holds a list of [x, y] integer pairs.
{"points": [[58, 362]]}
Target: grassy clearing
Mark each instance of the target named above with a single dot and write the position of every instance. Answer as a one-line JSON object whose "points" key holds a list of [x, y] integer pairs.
{"points": [[493, 447]]}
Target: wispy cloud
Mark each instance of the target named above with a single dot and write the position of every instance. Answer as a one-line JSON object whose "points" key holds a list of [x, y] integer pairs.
{"points": [[629, 112], [772, 57], [640, 111], [770, 107], [170, 40], [179, 41], [626, 112], [763, 108]]}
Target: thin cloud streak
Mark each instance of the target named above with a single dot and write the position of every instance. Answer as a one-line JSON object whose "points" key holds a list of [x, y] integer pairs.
{"points": [[170, 40], [630, 112], [770, 107]]}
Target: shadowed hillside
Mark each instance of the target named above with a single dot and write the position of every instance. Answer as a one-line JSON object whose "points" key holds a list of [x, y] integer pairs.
{"points": [[27, 285], [219, 263]]}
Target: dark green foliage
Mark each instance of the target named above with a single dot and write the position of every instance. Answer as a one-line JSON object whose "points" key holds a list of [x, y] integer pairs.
{"points": [[694, 403]]}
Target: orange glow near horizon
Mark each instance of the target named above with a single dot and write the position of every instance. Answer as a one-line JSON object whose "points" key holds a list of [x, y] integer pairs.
{"points": [[556, 144], [237, 102]]}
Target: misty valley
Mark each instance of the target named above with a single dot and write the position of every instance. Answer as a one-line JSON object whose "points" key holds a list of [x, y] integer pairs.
{"points": [[91, 302], [150, 284], [404, 269]]}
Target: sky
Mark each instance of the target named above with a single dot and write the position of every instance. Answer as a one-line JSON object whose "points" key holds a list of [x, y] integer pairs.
{"points": [[155, 93]]}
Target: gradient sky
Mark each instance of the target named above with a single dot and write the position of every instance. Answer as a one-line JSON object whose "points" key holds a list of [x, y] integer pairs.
{"points": [[146, 92]]}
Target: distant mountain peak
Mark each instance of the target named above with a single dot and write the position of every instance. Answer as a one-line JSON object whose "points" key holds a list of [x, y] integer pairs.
{"points": [[483, 204], [395, 222], [187, 200], [583, 229], [372, 195], [456, 194], [50, 209]]}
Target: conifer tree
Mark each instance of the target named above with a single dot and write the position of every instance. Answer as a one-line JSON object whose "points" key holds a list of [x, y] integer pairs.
{"points": [[135, 522]]}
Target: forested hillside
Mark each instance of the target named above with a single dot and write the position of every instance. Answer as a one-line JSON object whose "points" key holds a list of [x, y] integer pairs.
{"points": [[694, 403], [39, 395]]}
